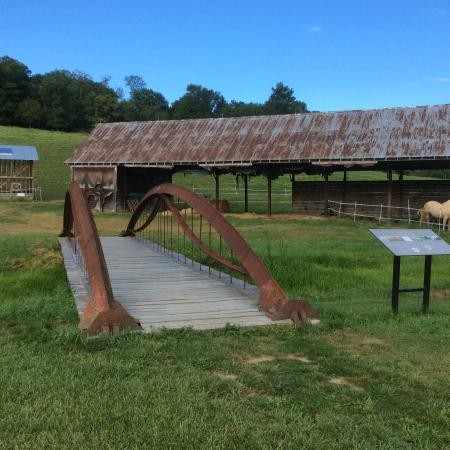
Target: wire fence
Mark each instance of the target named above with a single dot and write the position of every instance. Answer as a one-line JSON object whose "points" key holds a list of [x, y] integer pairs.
{"points": [[382, 213], [257, 198]]}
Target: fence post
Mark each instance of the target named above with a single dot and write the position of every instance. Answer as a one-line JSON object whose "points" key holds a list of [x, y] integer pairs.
{"points": [[340, 208], [354, 213], [409, 214], [381, 214]]}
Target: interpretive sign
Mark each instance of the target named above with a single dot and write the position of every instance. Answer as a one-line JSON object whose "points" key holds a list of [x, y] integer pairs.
{"points": [[411, 242]]}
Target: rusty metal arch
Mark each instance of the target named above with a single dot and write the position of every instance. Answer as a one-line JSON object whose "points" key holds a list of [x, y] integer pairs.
{"points": [[273, 300], [102, 312]]}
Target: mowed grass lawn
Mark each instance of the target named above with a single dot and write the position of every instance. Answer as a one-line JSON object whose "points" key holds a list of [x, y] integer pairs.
{"points": [[362, 379]]}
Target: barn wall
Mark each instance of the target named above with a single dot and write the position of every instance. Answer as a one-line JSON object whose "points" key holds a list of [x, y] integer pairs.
{"points": [[16, 177], [99, 184], [310, 197]]}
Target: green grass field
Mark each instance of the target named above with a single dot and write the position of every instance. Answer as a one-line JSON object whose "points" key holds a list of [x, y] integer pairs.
{"points": [[362, 379]]}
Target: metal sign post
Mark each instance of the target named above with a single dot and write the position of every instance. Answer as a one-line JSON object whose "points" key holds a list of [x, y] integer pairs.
{"points": [[411, 242]]}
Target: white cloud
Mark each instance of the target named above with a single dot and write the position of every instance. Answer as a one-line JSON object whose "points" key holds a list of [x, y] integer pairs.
{"points": [[438, 11], [315, 29], [442, 80]]}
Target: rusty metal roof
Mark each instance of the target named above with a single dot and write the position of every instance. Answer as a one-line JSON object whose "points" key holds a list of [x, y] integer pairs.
{"points": [[379, 134]]}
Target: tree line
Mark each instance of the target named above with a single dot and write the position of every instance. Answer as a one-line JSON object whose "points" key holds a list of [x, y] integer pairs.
{"points": [[73, 101]]}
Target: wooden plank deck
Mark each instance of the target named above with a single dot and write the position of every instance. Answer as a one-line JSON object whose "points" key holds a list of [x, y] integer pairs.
{"points": [[161, 292]]}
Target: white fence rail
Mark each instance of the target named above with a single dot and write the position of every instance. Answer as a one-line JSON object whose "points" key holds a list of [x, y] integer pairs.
{"points": [[380, 213]]}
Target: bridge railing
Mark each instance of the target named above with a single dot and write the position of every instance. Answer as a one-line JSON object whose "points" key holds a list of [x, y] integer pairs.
{"points": [[185, 226], [103, 312]]}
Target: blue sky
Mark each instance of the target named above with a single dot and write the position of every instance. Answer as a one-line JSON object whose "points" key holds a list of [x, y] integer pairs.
{"points": [[336, 55]]}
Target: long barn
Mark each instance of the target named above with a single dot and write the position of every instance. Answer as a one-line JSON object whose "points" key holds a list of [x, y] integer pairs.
{"points": [[120, 159]]}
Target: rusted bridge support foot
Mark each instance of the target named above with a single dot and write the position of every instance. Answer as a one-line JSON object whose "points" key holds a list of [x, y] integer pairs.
{"points": [[299, 311], [112, 320]]}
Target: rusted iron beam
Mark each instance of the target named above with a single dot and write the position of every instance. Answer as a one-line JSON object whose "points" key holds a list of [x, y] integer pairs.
{"points": [[103, 311], [273, 300]]}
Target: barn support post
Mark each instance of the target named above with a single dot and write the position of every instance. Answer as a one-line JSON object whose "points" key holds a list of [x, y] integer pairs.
{"points": [[245, 193], [115, 189], [325, 212], [217, 199], [389, 194], [400, 189], [292, 191], [344, 187], [31, 184], [125, 189]]}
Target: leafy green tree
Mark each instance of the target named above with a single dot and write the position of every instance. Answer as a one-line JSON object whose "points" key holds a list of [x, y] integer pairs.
{"points": [[198, 102], [283, 101], [30, 112], [14, 89], [144, 103], [105, 107], [135, 83], [72, 101], [149, 105], [240, 109]]}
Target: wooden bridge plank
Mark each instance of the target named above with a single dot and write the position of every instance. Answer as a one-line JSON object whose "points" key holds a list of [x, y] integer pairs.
{"points": [[164, 293]]}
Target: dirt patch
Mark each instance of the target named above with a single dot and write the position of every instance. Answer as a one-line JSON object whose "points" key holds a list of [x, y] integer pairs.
{"points": [[341, 381], [257, 393], [41, 256], [259, 359], [441, 293], [296, 357], [278, 217], [225, 376], [356, 341]]}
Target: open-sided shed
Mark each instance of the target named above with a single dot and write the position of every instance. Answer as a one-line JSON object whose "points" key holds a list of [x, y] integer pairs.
{"points": [[121, 159], [16, 170]]}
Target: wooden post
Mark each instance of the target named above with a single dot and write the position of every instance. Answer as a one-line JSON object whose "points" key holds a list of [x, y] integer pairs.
{"points": [[325, 212], [389, 193], [400, 192], [245, 193], [292, 191], [216, 176], [344, 187], [115, 188], [124, 194], [31, 185], [269, 196]]}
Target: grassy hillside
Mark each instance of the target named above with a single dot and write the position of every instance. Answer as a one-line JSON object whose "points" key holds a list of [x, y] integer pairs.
{"points": [[53, 148]]}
